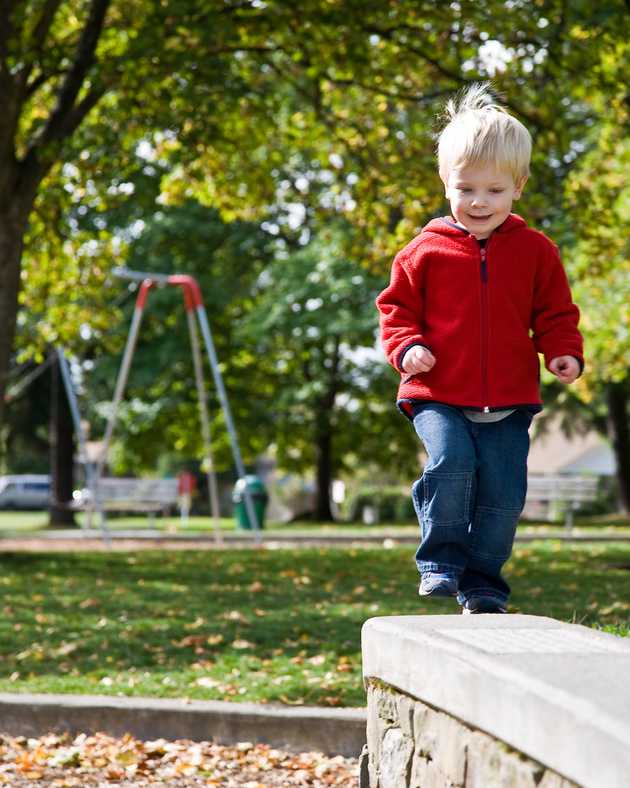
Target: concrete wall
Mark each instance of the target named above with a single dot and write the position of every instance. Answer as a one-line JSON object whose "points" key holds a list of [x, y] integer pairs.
{"points": [[411, 745], [495, 701]]}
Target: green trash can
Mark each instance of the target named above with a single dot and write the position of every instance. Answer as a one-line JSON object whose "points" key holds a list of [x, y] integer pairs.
{"points": [[259, 497]]}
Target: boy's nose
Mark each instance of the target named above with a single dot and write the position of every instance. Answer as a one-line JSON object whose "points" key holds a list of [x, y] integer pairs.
{"points": [[479, 199]]}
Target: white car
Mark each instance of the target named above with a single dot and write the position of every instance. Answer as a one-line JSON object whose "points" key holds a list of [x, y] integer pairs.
{"points": [[25, 491]]}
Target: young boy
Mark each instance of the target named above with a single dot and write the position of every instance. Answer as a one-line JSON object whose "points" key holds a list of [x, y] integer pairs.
{"points": [[471, 302]]}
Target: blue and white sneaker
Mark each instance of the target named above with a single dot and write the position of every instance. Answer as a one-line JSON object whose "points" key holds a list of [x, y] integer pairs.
{"points": [[435, 584]]}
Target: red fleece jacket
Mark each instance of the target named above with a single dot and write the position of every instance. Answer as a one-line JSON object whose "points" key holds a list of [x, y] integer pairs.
{"points": [[485, 314]]}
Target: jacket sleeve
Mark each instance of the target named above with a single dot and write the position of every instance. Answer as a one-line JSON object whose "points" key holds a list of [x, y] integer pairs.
{"points": [[400, 308], [555, 317]]}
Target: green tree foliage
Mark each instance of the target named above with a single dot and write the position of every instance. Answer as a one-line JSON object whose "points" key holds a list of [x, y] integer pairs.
{"points": [[257, 106], [598, 196], [159, 414], [332, 409]]}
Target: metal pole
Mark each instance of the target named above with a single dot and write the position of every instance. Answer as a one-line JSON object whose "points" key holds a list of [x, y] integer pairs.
{"points": [[123, 375], [213, 492], [218, 381], [74, 409], [78, 428], [120, 387], [17, 388], [141, 276], [194, 294]]}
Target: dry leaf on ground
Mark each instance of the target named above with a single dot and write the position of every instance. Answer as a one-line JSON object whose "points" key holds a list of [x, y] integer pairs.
{"points": [[63, 761]]}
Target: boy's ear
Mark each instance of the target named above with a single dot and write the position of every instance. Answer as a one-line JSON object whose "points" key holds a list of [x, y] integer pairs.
{"points": [[520, 185]]}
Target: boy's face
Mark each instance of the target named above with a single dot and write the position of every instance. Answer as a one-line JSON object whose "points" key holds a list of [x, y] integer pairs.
{"points": [[481, 197]]}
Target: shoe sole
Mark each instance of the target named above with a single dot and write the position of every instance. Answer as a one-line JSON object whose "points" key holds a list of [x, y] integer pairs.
{"points": [[439, 592], [467, 612]]}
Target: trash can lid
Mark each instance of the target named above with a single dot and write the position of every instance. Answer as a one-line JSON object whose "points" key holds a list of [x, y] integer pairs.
{"points": [[251, 481]]}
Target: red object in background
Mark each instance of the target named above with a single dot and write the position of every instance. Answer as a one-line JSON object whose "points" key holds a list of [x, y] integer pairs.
{"points": [[186, 483]]}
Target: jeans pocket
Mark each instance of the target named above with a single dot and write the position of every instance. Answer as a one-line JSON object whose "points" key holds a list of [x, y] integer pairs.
{"points": [[446, 497]]}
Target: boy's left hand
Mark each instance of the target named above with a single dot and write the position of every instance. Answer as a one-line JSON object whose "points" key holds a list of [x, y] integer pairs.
{"points": [[565, 368]]}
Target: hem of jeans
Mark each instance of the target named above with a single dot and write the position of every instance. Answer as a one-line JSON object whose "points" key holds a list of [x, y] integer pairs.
{"points": [[425, 567]]}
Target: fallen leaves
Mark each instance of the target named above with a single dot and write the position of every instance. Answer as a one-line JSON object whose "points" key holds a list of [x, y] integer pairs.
{"points": [[242, 644], [89, 760]]}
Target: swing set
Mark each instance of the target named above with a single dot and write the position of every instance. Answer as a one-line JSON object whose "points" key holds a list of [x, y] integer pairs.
{"points": [[101, 490]]}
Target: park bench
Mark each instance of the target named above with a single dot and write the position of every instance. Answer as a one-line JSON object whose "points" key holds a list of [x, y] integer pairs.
{"points": [[130, 495], [568, 492]]}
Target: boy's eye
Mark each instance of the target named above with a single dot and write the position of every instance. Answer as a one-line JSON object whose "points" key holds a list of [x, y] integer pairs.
{"points": [[497, 191]]}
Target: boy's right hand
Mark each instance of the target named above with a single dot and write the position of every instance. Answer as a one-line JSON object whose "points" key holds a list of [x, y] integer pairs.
{"points": [[418, 359]]}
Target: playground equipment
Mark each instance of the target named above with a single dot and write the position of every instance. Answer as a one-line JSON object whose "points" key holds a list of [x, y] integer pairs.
{"points": [[100, 488], [196, 314]]}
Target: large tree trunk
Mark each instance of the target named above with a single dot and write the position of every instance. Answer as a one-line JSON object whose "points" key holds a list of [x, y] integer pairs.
{"points": [[323, 511], [619, 432], [12, 228], [20, 177], [324, 437], [61, 453]]}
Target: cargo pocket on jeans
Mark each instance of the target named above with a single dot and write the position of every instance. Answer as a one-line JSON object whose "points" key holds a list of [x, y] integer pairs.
{"points": [[446, 497]]}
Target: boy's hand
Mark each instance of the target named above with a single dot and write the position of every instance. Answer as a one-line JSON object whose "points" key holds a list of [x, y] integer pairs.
{"points": [[418, 359], [565, 368]]}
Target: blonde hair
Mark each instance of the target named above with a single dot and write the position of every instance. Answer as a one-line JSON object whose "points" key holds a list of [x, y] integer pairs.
{"points": [[480, 131]]}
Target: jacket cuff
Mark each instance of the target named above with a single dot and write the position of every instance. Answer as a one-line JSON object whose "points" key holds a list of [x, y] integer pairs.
{"points": [[580, 362]]}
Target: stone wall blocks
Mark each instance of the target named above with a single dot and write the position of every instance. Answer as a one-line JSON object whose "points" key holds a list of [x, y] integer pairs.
{"points": [[395, 764], [405, 714], [553, 780], [386, 707], [517, 701], [415, 746]]}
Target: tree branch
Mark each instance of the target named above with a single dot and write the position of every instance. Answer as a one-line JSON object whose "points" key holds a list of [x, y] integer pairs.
{"points": [[74, 117], [389, 33], [6, 30], [37, 40], [228, 50], [57, 125], [417, 98], [40, 31]]}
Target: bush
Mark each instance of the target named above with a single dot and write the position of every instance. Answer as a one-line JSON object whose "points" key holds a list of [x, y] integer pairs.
{"points": [[392, 504]]}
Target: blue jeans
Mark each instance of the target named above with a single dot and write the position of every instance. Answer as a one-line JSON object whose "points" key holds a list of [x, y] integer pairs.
{"points": [[470, 496]]}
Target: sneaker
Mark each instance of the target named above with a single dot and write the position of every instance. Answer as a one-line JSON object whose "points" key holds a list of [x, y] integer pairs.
{"points": [[483, 604], [433, 584]]}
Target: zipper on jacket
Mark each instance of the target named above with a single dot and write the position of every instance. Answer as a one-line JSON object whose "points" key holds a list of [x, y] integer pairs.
{"points": [[484, 328]]}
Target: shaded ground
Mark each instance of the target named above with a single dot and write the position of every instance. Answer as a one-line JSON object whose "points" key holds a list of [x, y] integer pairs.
{"points": [[100, 760]]}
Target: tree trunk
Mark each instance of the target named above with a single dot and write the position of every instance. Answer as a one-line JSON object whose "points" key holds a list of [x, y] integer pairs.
{"points": [[619, 432], [323, 511], [324, 436], [12, 230], [61, 453]]}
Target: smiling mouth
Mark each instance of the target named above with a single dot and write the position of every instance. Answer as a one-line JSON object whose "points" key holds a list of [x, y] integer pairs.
{"points": [[480, 218]]}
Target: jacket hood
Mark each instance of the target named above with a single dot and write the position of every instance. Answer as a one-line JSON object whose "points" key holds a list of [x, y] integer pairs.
{"points": [[446, 226]]}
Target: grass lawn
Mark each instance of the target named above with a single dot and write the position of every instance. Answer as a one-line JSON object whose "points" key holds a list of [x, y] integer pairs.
{"points": [[260, 625]]}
